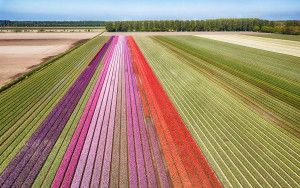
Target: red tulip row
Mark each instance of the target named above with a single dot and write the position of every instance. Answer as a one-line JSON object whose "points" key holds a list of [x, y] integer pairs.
{"points": [[129, 134], [185, 161]]}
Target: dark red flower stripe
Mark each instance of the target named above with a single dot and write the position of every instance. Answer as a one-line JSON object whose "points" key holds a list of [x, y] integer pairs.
{"points": [[23, 169]]}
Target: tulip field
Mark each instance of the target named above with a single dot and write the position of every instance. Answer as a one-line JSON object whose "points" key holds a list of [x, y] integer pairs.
{"points": [[154, 111]]}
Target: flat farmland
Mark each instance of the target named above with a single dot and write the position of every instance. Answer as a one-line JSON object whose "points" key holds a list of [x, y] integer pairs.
{"points": [[228, 96], [20, 52], [153, 110]]}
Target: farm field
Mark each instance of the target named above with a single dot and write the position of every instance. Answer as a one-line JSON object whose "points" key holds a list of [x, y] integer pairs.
{"points": [[20, 52], [248, 133], [112, 130], [154, 111], [273, 44]]}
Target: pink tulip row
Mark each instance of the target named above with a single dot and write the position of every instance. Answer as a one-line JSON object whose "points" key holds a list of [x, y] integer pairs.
{"points": [[68, 166], [24, 168], [129, 134], [112, 145]]}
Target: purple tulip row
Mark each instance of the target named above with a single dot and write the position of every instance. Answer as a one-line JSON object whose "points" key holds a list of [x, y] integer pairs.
{"points": [[84, 168], [112, 145], [23, 169], [86, 124]]}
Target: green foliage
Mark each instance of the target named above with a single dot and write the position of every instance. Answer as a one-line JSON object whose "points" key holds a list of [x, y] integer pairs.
{"points": [[267, 29], [8, 23], [242, 24]]}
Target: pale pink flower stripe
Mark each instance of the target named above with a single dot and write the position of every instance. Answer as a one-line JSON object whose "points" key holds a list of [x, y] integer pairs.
{"points": [[95, 156], [150, 143], [87, 161], [133, 179], [141, 131], [110, 131], [145, 170], [98, 115], [75, 146], [157, 155]]}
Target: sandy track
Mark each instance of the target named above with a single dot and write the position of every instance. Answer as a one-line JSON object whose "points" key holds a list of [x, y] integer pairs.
{"points": [[21, 51], [269, 44]]}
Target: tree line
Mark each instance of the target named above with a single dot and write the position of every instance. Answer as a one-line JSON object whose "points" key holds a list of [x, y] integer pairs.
{"points": [[235, 24], [8, 23], [241, 24]]}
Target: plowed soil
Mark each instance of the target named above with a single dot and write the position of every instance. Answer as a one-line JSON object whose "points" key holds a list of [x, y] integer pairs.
{"points": [[20, 52]]}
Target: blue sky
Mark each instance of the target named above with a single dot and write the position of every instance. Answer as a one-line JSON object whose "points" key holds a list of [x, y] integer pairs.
{"points": [[147, 9]]}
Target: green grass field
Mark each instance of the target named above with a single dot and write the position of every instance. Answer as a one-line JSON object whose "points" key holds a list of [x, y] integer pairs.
{"points": [[241, 105]]}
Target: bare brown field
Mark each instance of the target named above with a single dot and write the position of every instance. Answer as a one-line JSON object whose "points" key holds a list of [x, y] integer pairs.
{"points": [[19, 52]]}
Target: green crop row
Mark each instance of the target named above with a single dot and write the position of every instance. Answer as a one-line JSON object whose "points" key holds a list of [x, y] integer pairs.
{"points": [[243, 147], [26, 104], [47, 173], [257, 67], [279, 111]]}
